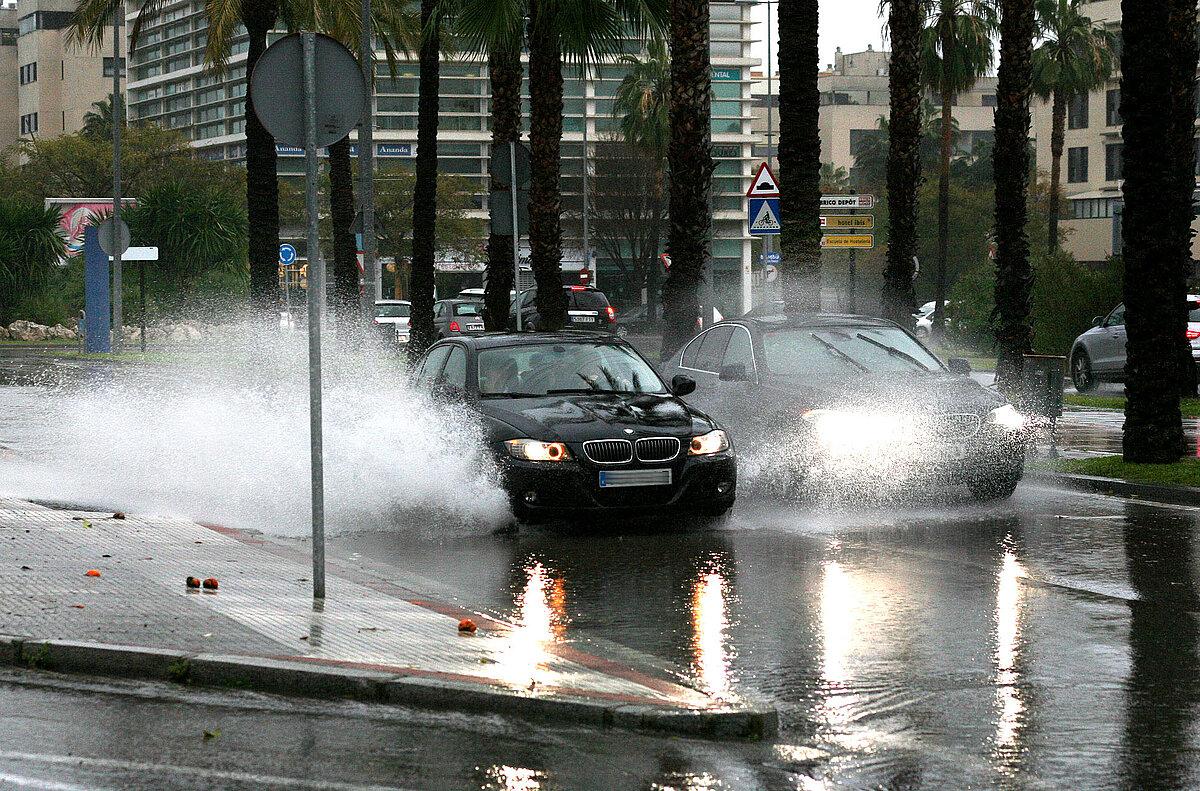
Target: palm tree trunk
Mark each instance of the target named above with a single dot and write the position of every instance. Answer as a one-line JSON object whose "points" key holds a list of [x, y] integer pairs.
{"points": [[799, 156], [346, 280], [262, 186], [1057, 135], [504, 68], [943, 249], [425, 189], [903, 160], [1014, 276], [545, 137], [1153, 424], [689, 161], [1183, 61]]}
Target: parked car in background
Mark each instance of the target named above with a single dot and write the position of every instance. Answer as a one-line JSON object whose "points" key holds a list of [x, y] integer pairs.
{"points": [[587, 309], [457, 317], [579, 423], [924, 318], [832, 401], [1098, 355], [397, 313]]}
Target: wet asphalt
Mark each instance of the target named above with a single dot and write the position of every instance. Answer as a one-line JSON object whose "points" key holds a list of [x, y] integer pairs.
{"points": [[1050, 641]]}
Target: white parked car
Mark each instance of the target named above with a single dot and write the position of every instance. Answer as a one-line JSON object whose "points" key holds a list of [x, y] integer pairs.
{"points": [[924, 319], [1098, 355], [397, 312]]}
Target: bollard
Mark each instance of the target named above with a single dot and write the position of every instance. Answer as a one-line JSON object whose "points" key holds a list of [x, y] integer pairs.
{"points": [[1042, 390]]}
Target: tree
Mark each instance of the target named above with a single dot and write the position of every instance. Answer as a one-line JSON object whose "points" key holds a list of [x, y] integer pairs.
{"points": [[1154, 223], [31, 243], [689, 159], [871, 154], [903, 158], [799, 156], [834, 179], [1074, 58], [1014, 275], [956, 50], [425, 189], [98, 122]]}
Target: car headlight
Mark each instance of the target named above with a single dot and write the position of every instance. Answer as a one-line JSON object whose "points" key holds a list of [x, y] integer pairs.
{"points": [[715, 441], [1006, 417], [535, 450], [858, 432]]}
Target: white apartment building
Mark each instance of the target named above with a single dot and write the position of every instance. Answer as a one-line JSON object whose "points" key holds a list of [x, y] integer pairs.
{"points": [[170, 85]]}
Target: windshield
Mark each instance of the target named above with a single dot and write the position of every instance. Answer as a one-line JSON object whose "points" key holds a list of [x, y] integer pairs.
{"points": [[845, 350], [469, 309], [392, 311], [546, 368]]}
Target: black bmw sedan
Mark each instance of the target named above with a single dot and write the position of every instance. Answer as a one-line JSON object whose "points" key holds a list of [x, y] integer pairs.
{"points": [[831, 401], [580, 423]]}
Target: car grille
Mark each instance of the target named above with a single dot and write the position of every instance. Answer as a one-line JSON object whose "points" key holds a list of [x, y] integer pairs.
{"points": [[657, 448], [955, 426], [609, 451]]}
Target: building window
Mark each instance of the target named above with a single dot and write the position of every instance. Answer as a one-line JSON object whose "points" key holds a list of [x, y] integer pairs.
{"points": [[989, 100], [8, 36], [28, 73], [1092, 208], [108, 67], [1112, 107], [1114, 162], [1077, 111], [1077, 165], [29, 124]]}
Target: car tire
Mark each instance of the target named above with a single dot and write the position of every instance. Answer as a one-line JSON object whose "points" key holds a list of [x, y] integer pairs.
{"points": [[998, 486], [1082, 375]]}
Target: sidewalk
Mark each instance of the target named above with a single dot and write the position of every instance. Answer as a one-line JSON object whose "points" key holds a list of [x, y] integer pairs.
{"points": [[372, 639]]}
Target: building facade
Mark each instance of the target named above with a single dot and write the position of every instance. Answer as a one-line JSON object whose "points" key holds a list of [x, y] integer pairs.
{"points": [[47, 85], [169, 84]]}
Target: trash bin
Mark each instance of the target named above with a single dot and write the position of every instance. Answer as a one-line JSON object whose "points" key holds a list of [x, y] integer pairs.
{"points": [[1042, 385]]}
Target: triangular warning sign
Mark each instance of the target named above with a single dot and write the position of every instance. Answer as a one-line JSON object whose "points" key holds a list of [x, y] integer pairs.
{"points": [[764, 184], [765, 220]]}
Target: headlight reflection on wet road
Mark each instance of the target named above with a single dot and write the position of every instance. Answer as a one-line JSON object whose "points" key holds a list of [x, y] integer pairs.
{"points": [[711, 651], [1008, 634], [541, 618]]}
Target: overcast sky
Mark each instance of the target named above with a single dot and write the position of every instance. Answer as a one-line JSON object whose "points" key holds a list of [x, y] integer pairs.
{"points": [[849, 24]]}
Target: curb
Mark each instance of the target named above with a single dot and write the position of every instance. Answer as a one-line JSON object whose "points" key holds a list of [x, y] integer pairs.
{"points": [[1169, 495], [308, 679]]}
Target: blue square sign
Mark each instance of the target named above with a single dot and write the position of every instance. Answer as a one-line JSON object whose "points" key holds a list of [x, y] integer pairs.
{"points": [[762, 216]]}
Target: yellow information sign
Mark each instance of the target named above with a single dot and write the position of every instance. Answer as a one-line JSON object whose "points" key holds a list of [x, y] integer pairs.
{"points": [[859, 221], [848, 241]]}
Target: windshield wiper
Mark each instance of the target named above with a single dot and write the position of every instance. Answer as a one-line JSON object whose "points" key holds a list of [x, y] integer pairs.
{"points": [[838, 352], [586, 391], [511, 395], [893, 351]]}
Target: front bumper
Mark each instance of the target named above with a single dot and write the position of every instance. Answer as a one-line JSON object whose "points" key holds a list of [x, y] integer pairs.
{"points": [[698, 484]]}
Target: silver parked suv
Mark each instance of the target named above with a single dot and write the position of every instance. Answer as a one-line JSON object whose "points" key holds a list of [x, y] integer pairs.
{"points": [[1098, 355]]}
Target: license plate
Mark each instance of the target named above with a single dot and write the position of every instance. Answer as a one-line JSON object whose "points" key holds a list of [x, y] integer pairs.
{"points": [[474, 328], [584, 319], [401, 339], [612, 479]]}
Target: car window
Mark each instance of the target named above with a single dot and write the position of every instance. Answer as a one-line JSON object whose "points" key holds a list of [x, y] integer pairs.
{"points": [[688, 359], [845, 350], [455, 372], [432, 365], [438, 309], [740, 350], [529, 297], [392, 311], [712, 349], [537, 369], [468, 309], [589, 300], [1116, 318]]}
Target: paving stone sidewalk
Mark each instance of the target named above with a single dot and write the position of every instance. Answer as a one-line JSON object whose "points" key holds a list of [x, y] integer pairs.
{"points": [[369, 635]]}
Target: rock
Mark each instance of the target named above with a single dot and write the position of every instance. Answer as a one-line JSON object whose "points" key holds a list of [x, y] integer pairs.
{"points": [[3, 333], [27, 331], [61, 333]]}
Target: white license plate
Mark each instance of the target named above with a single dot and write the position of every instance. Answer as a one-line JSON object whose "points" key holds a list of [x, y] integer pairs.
{"points": [[474, 328], [401, 339], [584, 319], [612, 479]]}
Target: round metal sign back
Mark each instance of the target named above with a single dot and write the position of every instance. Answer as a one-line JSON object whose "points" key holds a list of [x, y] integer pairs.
{"points": [[111, 246], [277, 90]]}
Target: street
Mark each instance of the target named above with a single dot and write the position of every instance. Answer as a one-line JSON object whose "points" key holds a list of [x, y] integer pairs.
{"points": [[1047, 641]]}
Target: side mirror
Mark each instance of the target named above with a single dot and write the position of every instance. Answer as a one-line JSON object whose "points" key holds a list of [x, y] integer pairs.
{"points": [[1096, 322], [682, 385], [734, 372], [959, 366]]}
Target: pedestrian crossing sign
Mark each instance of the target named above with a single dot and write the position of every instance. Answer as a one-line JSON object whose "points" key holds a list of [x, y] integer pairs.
{"points": [[763, 216]]}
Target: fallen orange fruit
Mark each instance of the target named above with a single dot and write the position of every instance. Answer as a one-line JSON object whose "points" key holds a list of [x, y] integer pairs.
{"points": [[211, 583], [467, 625], [92, 573], [193, 582]]}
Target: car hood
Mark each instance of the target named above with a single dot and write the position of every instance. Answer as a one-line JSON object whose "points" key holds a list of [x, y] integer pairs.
{"points": [[934, 393], [581, 417]]}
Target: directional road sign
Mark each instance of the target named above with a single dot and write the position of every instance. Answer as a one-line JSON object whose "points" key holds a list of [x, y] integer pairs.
{"points": [[847, 202], [764, 185], [763, 216], [287, 254], [863, 222], [772, 258], [861, 241]]}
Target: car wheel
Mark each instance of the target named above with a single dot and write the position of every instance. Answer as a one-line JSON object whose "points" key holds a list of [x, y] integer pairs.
{"points": [[998, 486], [1081, 372]]}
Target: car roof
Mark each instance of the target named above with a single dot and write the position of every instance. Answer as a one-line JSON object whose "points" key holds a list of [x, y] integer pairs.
{"points": [[460, 299], [492, 340], [782, 321], [392, 302]]}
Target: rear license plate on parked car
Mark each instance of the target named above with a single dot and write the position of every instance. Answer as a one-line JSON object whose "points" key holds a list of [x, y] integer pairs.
{"points": [[611, 479], [474, 328], [584, 319]]}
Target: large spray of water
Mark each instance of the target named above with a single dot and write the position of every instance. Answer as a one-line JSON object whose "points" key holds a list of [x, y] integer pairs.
{"points": [[221, 434]]}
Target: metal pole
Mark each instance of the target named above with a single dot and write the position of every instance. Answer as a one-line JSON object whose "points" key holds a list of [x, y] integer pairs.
{"points": [[770, 109], [372, 287], [587, 250], [142, 288], [316, 296], [516, 229], [118, 314]]}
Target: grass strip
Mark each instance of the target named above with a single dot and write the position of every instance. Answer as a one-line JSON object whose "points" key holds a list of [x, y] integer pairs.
{"points": [[1180, 473]]}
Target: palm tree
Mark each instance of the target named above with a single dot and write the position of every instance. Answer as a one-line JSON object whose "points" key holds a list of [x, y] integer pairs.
{"points": [[1182, 151], [425, 188], [1014, 276], [834, 179], [903, 158], [504, 71], [956, 50], [1074, 58], [1153, 232], [97, 122], [31, 244], [799, 156]]}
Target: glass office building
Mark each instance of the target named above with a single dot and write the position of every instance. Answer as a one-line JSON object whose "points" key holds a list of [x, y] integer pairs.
{"points": [[169, 85]]}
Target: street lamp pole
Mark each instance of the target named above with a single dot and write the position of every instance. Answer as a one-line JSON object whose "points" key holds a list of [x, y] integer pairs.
{"points": [[372, 280], [115, 103]]}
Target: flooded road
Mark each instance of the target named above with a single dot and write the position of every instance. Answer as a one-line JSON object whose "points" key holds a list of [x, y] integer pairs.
{"points": [[1050, 641]]}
